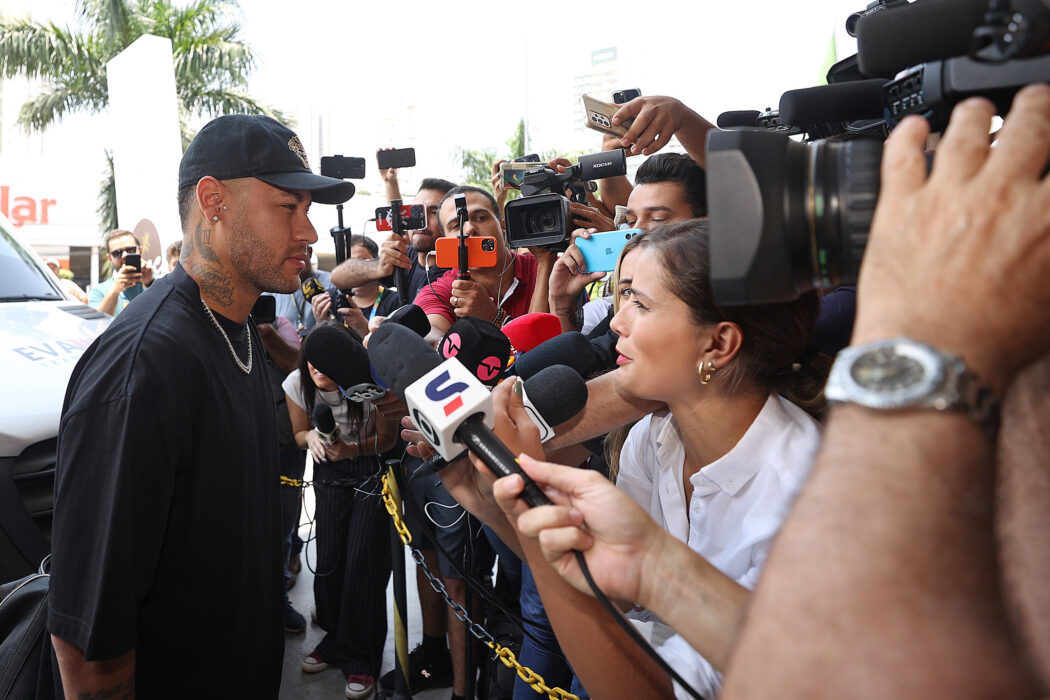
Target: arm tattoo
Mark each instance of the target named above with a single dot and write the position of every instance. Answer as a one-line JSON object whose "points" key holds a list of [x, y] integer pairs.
{"points": [[121, 691]]}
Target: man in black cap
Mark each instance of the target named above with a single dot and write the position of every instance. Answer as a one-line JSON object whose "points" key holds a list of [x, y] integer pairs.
{"points": [[167, 577]]}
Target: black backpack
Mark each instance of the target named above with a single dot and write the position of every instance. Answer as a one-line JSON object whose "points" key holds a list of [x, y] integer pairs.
{"points": [[27, 667]]}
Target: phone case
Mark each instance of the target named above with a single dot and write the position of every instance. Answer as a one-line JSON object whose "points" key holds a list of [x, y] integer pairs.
{"points": [[396, 158], [512, 173], [481, 252], [599, 116], [602, 250]]}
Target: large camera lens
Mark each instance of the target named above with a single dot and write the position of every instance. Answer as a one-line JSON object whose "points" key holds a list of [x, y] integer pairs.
{"points": [[542, 222], [539, 220], [786, 217]]}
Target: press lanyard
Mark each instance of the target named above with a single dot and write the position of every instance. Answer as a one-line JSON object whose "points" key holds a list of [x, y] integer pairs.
{"points": [[375, 304]]}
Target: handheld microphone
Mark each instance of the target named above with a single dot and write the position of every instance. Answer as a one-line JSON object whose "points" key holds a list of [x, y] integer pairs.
{"points": [[479, 346], [412, 317], [324, 423], [340, 356], [447, 403], [572, 349], [528, 331]]}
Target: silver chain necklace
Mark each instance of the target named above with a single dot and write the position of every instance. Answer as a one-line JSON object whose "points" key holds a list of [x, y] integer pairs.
{"points": [[246, 368]]}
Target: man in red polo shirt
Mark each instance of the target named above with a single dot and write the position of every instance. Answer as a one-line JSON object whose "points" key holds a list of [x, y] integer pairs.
{"points": [[495, 294]]}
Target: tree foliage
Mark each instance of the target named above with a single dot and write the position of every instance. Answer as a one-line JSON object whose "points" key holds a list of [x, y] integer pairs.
{"points": [[212, 63]]}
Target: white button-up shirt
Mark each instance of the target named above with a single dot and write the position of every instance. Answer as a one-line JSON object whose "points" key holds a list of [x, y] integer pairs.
{"points": [[738, 504]]}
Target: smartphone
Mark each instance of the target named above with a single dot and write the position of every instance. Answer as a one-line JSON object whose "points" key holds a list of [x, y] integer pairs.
{"points": [[134, 260], [396, 158], [265, 309], [413, 218], [343, 167], [481, 252], [622, 97], [602, 250], [511, 174], [599, 117]]}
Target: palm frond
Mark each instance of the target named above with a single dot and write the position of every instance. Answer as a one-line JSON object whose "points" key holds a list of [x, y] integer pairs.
{"points": [[36, 50], [113, 22], [81, 92], [215, 102]]}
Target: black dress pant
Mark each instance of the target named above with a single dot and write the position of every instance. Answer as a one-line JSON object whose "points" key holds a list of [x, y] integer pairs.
{"points": [[353, 565]]}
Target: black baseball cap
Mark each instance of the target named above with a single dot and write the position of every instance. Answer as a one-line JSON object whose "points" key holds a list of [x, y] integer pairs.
{"points": [[249, 145]]}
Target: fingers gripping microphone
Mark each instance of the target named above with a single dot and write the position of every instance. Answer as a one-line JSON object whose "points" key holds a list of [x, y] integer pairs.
{"points": [[479, 346], [337, 354], [324, 423], [448, 404], [553, 396]]}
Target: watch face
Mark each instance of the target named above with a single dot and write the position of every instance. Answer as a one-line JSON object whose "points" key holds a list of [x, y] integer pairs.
{"points": [[885, 370], [887, 374]]}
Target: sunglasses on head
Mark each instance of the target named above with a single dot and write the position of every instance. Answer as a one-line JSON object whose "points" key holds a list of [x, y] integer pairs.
{"points": [[121, 252]]}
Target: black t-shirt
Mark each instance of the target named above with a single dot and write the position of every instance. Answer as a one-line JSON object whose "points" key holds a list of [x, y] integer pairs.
{"points": [[167, 528]]}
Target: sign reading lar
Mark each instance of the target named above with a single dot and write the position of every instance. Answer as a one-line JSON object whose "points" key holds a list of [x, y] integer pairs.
{"points": [[24, 210]]}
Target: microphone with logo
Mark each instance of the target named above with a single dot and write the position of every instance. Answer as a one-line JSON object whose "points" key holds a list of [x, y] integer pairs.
{"points": [[324, 423], [479, 346], [340, 356], [453, 409]]}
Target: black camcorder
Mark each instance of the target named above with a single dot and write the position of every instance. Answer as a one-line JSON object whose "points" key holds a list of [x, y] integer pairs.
{"points": [[788, 217], [541, 216]]}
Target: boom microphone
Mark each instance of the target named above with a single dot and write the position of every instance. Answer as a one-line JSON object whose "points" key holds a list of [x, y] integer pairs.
{"points": [[479, 346], [448, 404], [738, 118], [910, 34], [340, 356], [840, 102], [324, 423]]}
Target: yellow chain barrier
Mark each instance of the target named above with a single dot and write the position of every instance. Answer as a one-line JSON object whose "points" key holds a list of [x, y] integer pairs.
{"points": [[505, 655], [288, 481]]}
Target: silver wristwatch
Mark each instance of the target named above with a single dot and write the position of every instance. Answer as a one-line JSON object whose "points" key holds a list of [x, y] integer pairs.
{"points": [[900, 373]]}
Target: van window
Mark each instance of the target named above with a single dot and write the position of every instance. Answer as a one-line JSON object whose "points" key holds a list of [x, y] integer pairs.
{"points": [[21, 276]]}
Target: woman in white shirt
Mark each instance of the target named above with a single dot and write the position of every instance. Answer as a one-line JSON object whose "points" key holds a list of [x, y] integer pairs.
{"points": [[720, 467]]}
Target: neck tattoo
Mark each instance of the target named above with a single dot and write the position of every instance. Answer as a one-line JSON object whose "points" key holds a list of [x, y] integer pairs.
{"points": [[246, 368]]}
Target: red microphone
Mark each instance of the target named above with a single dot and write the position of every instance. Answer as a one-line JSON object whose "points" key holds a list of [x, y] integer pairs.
{"points": [[528, 331]]}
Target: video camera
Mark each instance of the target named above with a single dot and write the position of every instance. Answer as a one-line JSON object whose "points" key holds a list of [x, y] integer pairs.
{"points": [[542, 219], [788, 217]]}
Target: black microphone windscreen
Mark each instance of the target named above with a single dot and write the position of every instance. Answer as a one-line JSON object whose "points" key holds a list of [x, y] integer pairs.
{"points": [[479, 346], [400, 357], [572, 349], [337, 354], [841, 102], [412, 317], [558, 393], [743, 117], [324, 421], [907, 35]]}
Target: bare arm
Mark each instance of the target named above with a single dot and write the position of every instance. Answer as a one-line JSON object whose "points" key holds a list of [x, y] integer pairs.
{"points": [[889, 554], [544, 262], [284, 354], [88, 680], [656, 120]]}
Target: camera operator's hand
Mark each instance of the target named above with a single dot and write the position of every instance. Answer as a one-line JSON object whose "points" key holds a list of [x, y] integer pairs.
{"points": [[353, 317], [590, 217], [127, 277], [568, 278], [322, 306], [393, 253], [656, 120], [559, 164], [470, 298], [960, 258], [498, 190]]}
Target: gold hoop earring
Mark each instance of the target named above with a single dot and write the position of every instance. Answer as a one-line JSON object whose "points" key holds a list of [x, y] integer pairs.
{"points": [[706, 377]]}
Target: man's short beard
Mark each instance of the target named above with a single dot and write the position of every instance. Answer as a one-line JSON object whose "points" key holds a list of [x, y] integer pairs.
{"points": [[253, 264], [428, 245]]}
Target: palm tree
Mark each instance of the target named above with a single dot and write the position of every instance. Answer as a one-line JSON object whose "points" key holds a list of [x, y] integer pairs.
{"points": [[212, 63]]}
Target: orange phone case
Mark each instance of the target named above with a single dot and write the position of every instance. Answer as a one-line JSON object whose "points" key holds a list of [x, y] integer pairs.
{"points": [[481, 252]]}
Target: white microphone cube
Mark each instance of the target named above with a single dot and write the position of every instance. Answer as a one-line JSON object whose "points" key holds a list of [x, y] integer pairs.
{"points": [[439, 402]]}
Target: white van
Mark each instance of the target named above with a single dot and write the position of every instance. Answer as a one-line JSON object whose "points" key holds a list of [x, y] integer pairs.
{"points": [[42, 335]]}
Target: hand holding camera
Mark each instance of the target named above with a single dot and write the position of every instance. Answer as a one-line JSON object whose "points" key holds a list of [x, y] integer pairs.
{"points": [[938, 244]]}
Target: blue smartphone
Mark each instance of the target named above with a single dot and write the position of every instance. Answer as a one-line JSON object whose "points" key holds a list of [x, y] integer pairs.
{"points": [[602, 250]]}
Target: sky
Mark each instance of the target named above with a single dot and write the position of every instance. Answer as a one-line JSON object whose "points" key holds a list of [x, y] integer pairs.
{"points": [[356, 76]]}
